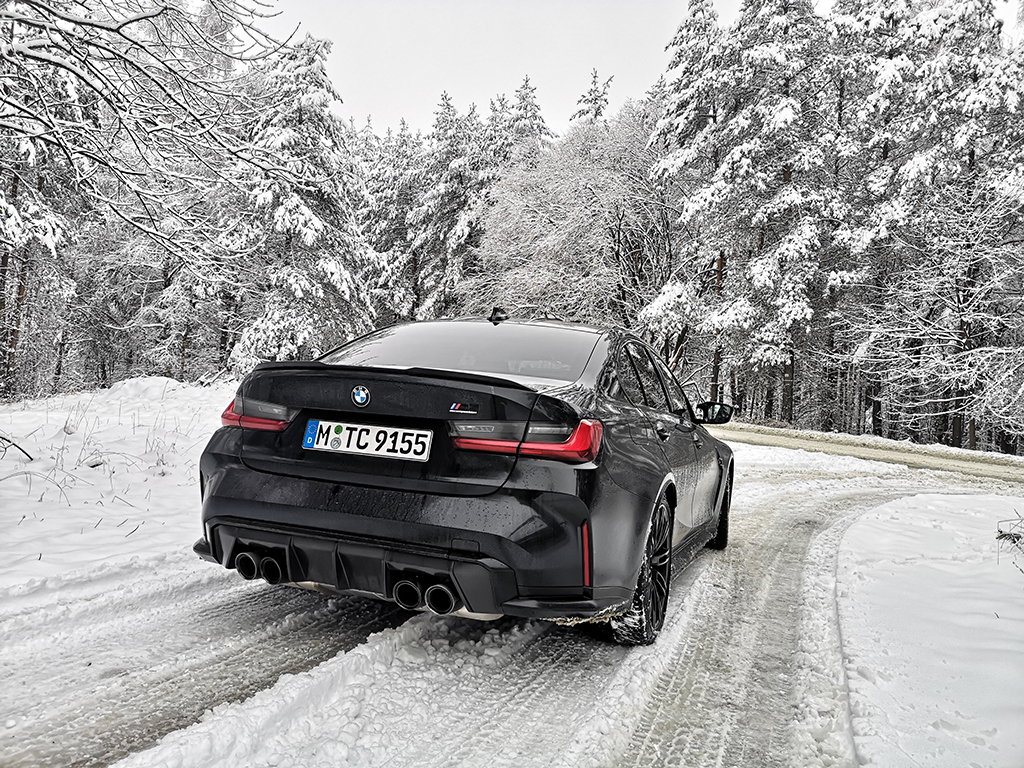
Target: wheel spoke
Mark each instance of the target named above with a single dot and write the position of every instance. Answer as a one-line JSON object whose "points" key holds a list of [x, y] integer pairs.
{"points": [[663, 527], [658, 606]]}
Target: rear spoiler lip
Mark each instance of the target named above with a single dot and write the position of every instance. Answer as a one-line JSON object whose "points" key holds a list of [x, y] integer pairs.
{"points": [[426, 373]]}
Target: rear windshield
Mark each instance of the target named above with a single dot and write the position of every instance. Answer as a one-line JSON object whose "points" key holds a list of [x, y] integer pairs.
{"points": [[536, 351]]}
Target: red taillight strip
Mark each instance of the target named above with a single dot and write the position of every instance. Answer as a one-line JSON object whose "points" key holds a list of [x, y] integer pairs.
{"points": [[586, 554], [582, 445], [231, 419], [483, 444]]}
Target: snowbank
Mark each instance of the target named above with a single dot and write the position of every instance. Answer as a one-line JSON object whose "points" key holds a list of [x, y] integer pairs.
{"points": [[113, 476], [933, 634], [872, 441]]}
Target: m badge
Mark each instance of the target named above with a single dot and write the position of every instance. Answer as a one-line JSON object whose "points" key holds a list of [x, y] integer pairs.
{"points": [[361, 396]]}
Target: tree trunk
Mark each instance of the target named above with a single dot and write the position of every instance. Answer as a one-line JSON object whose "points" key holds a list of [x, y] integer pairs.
{"points": [[59, 367], [185, 338], [16, 321], [876, 410], [788, 376], [5, 265], [957, 430], [942, 420], [417, 298], [716, 368], [735, 393]]}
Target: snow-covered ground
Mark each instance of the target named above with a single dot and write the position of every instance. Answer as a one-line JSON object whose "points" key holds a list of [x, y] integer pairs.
{"points": [[933, 633], [114, 476], [860, 616]]}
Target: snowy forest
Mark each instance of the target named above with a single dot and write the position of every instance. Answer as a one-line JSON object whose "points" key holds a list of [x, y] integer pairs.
{"points": [[819, 219]]}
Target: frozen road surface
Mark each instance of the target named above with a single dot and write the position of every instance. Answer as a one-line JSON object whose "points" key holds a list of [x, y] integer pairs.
{"points": [[787, 649]]}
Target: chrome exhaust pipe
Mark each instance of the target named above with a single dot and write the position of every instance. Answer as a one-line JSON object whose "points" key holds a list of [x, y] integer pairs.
{"points": [[247, 566], [270, 570], [440, 600], [407, 595]]}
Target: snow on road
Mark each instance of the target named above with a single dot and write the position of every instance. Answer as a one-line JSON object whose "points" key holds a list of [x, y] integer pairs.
{"points": [[848, 623]]}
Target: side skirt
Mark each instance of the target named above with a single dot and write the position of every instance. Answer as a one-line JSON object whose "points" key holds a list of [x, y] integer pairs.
{"points": [[695, 540]]}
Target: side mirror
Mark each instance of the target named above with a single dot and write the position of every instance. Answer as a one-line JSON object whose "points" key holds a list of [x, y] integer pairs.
{"points": [[713, 413]]}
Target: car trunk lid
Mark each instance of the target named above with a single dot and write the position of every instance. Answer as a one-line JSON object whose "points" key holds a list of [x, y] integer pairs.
{"points": [[358, 405]]}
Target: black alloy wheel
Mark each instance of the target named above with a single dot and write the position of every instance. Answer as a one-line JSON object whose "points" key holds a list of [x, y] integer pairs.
{"points": [[646, 615]]}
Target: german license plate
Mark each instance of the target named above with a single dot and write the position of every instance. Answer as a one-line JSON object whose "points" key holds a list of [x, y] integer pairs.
{"points": [[367, 440]]}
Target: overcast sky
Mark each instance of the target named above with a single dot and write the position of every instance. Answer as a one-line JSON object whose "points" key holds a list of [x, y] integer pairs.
{"points": [[393, 58]]}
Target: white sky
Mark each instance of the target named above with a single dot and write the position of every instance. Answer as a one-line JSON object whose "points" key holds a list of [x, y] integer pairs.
{"points": [[393, 58]]}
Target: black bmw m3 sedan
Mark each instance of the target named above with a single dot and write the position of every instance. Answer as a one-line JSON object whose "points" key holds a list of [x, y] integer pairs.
{"points": [[471, 466]]}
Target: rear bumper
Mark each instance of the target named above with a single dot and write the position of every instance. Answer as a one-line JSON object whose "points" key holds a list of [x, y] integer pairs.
{"points": [[369, 567], [518, 553]]}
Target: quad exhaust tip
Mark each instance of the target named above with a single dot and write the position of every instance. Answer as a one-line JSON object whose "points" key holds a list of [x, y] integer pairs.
{"points": [[407, 595], [440, 600], [247, 566], [270, 570]]}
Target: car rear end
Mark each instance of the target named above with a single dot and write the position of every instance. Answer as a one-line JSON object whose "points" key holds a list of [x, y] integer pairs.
{"points": [[385, 469]]}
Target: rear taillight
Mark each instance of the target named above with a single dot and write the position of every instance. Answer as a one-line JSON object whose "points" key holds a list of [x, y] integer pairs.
{"points": [[255, 414], [563, 442]]}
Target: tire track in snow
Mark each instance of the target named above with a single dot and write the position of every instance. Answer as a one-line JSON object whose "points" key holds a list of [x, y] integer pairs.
{"points": [[434, 692], [727, 697], [92, 676]]}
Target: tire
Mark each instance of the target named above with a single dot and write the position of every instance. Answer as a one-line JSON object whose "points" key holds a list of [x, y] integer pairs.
{"points": [[646, 615], [721, 538]]}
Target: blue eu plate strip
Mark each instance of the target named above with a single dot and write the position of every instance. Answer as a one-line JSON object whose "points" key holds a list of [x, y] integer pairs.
{"points": [[310, 439]]}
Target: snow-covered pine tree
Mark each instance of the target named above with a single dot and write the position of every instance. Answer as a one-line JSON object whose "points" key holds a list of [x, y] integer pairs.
{"points": [[743, 108], [530, 131], [499, 137], [949, 96], [443, 226], [691, 99], [395, 173], [305, 277], [593, 103]]}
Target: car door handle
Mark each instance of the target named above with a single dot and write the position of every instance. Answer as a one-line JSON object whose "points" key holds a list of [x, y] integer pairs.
{"points": [[662, 431], [697, 441]]}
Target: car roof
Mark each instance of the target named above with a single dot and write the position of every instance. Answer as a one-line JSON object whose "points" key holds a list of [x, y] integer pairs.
{"points": [[549, 322]]}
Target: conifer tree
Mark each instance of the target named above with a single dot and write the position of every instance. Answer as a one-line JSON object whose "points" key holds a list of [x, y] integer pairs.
{"points": [[306, 278], [395, 176], [443, 226], [529, 129], [593, 103], [745, 104]]}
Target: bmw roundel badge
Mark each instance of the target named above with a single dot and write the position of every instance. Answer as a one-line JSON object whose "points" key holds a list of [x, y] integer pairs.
{"points": [[361, 396]]}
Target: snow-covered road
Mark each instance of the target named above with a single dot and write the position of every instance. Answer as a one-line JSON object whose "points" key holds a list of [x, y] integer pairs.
{"points": [[167, 661], [106, 669]]}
